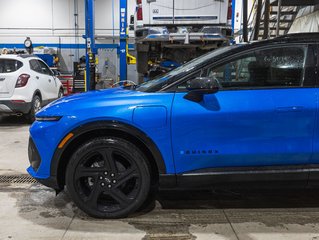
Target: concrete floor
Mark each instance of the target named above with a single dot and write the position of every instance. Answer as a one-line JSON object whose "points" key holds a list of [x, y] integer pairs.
{"points": [[32, 211]]}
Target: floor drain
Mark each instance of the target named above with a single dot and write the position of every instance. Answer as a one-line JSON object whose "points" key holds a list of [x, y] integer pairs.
{"points": [[23, 178]]}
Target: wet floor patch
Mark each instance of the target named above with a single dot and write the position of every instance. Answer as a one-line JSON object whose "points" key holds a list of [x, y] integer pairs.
{"points": [[40, 204], [179, 215]]}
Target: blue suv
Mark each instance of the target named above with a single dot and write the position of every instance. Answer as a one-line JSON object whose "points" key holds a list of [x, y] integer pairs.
{"points": [[240, 116]]}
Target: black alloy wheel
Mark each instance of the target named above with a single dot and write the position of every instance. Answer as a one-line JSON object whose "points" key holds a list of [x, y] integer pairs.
{"points": [[108, 178]]}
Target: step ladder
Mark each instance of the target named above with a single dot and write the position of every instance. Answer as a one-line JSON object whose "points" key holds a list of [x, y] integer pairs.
{"points": [[276, 17]]}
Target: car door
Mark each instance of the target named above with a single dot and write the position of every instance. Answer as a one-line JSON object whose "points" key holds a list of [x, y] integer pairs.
{"points": [[40, 79], [314, 161], [263, 115], [48, 77]]}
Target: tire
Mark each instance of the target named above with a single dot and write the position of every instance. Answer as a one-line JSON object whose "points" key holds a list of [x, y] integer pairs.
{"points": [[108, 177], [150, 202], [142, 62], [35, 107], [61, 93]]}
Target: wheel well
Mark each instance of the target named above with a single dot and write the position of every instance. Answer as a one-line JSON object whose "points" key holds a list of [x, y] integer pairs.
{"points": [[37, 93], [61, 90], [66, 155]]}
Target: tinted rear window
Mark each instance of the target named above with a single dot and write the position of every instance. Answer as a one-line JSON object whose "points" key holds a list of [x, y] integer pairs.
{"points": [[9, 65]]}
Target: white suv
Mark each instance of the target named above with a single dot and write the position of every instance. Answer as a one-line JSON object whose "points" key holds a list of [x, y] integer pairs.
{"points": [[26, 84]]}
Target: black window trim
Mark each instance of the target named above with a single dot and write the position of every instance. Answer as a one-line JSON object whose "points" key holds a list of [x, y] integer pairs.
{"points": [[173, 86]]}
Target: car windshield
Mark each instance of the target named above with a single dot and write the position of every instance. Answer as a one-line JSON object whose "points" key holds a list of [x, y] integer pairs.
{"points": [[163, 80]]}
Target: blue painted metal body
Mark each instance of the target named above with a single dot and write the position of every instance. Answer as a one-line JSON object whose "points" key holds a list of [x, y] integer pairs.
{"points": [[123, 40], [125, 106], [170, 64], [65, 45], [233, 16], [231, 128], [244, 128], [89, 38], [47, 58]]}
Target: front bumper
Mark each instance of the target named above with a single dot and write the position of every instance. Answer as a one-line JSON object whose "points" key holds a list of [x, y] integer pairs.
{"points": [[35, 162], [50, 182], [33, 154], [9, 107]]}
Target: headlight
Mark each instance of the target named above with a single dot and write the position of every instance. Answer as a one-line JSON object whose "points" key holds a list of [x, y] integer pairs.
{"points": [[48, 119]]}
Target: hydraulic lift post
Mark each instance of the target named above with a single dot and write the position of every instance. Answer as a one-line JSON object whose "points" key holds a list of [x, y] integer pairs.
{"points": [[233, 15], [91, 51], [123, 40]]}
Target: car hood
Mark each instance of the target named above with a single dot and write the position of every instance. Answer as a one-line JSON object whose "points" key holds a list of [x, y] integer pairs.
{"points": [[91, 100]]}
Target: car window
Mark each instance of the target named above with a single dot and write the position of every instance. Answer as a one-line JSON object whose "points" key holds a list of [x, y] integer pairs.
{"points": [[35, 66], [166, 79], [9, 65], [275, 67], [45, 69]]}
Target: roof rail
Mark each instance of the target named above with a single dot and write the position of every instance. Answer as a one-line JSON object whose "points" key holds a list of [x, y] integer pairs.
{"points": [[304, 35], [27, 55]]}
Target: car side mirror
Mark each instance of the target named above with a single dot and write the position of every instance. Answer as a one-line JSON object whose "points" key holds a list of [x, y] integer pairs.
{"points": [[55, 73], [200, 86]]}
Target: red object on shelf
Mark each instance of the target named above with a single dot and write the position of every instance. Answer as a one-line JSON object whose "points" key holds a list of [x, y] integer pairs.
{"points": [[67, 81]]}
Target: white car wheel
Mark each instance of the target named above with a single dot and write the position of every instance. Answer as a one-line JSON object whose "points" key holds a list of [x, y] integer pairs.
{"points": [[36, 106], [61, 93]]}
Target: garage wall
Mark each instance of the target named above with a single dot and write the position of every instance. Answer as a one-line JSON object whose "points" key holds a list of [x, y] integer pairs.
{"points": [[51, 23]]}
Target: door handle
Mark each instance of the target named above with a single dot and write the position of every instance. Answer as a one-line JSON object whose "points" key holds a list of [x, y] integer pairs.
{"points": [[289, 109], [49, 80], [37, 77]]}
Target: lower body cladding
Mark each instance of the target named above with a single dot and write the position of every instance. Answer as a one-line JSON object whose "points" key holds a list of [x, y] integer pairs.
{"points": [[8, 107]]}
